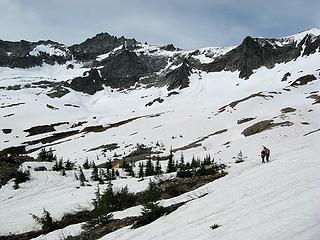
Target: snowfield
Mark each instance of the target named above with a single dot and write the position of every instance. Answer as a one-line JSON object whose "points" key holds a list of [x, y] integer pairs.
{"points": [[278, 200]]}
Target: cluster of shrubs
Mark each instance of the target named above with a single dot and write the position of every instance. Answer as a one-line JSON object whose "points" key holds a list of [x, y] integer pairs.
{"points": [[196, 167], [20, 177], [99, 175], [46, 156], [108, 202]]}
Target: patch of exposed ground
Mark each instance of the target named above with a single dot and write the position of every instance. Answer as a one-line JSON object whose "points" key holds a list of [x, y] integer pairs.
{"points": [[197, 143], [106, 147], [36, 130], [235, 103], [71, 105], [316, 98], [303, 80], [12, 105], [314, 131], [263, 126], [6, 130], [244, 120], [288, 110], [159, 100], [9, 115], [52, 138]]}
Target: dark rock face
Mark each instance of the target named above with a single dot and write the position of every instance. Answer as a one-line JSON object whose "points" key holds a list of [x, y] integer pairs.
{"points": [[57, 92], [179, 77], [123, 69], [90, 83], [100, 44], [312, 44], [244, 120], [16, 54], [285, 77], [159, 100], [251, 54], [43, 128], [6, 130], [288, 110], [169, 47], [263, 126], [40, 169], [303, 80]]}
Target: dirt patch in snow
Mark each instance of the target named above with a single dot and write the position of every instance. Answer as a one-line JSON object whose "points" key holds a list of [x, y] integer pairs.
{"points": [[303, 80], [12, 105], [197, 143], [43, 128], [106, 147], [314, 131], [263, 126], [244, 120], [288, 110], [316, 98], [235, 103]]}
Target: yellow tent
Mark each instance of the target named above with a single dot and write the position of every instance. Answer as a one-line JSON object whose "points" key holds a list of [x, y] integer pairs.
{"points": [[117, 165]]}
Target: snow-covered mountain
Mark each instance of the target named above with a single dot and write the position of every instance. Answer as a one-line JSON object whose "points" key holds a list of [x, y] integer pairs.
{"points": [[107, 91]]}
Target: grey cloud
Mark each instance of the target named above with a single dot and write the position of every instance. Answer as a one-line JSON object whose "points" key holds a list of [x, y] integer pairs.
{"points": [[186, 23]]}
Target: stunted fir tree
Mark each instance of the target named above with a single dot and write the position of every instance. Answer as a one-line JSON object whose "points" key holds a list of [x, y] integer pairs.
{"points": [[45, 221], [141, 170], [94, 173], [171, 166], [149, 168], [101, 176], [63, 172], [158, 168], [46, 156], [181, 164], [101, 214], [69, 165], [82, 178], [86, 164]]}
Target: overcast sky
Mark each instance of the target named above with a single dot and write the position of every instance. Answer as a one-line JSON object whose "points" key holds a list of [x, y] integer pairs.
{"points": [[185, 23]]}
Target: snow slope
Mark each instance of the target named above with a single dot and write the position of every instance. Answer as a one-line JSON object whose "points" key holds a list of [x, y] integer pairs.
{"points": [[278, 200]]}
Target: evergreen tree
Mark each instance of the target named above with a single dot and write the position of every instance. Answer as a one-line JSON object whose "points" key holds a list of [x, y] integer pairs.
{"points": [[131, 172], [152, 193], [86, 164], [149, 168], [46, 156], [108, 165], [63, 172], [55, 166], [150, 212], [45, 221], [82, 178], [69, 165], [113, 174], [94, 173], [141, 170], [101, 176], [181, 164], [171, 167], [20, 177], [97, 199], [194, 162], [158, 168], [60, 162]]}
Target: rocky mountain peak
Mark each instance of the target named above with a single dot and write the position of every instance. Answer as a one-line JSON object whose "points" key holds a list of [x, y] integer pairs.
{"points": [[100, 44]]}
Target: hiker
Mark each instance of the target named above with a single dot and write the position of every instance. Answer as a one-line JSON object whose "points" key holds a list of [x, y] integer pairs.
{"points": [[265, 153]]}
